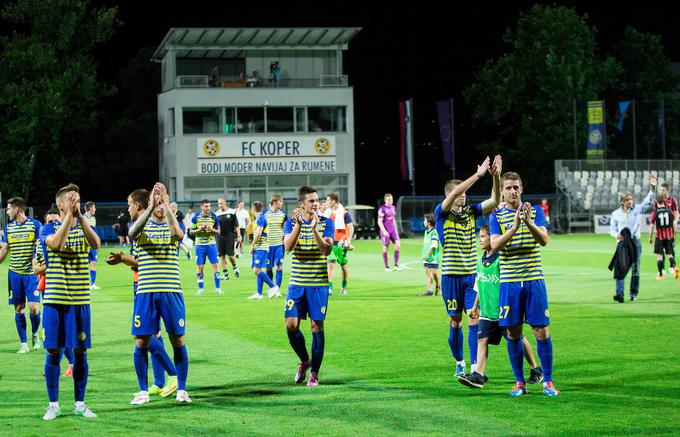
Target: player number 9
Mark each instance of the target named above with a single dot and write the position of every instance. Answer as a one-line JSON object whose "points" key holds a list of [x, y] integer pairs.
{"points": [[290, 303], [138, 322]]}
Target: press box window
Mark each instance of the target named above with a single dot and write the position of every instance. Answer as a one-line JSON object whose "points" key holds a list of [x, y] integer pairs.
{"points": [[280, 119], [250, 120], [201, 120], [326, 119]]}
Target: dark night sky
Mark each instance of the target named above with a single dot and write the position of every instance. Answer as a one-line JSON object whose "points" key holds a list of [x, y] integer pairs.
{"points": [[427, 54]]}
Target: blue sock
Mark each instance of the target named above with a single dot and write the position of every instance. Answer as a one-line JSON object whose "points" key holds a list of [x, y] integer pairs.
{"points": [[20, 321], [216, 277], [93, 276], [270, 274], [80, 373], [260, 284], [266, 279], [545, 354], [35, 323], [456, 343], [182, 366], [279, 278], [297, 341], [516, 355], [52, 372], [199, 277], [472, 342], [318, 343], [68, 353], [160, 361], [141, 359]]}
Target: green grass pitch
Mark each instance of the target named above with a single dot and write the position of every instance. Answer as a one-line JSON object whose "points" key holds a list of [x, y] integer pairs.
{"points": [[387, 368]]}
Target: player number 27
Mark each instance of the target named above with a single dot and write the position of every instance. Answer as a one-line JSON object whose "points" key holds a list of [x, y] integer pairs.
{"points": [[503, 312], [138, 322], [451, 304]]}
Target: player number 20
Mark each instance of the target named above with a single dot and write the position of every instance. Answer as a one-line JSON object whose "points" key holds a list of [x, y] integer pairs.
{"points": [[138, 322], [451, 304], [503, 312]]}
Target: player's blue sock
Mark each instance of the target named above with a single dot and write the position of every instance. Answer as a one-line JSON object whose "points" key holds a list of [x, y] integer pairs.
{"points": [[266, 279], [35, 323], [141, 358], [472, 342], [279, 278], [318, 342], [216, 277], [157, 364], [545, 354], [68, 353], [182, 366], [297, 341], [80, 372], [199, 277], [260, 284], [160, 355], [456, 343], [516, 355], [270, 274], [20, 321], [93, 276], [52, 372]]}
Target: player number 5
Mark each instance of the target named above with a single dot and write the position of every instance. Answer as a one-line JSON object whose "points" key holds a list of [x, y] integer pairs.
{"points": [[138, 322]]}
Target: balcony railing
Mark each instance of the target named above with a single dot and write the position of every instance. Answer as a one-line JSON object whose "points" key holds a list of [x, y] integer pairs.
{"points": [[205, 82]]}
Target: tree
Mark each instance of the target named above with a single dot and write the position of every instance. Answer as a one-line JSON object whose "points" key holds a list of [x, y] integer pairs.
{"points": [[49, 89], [524, 99]]}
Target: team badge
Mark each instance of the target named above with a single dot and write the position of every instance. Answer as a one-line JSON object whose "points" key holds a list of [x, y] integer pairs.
{"points": [[547, 313], [211, 147], [82, 336], [595, 136], [36, 293], [323, 310], [181, 323], [322, 146]]}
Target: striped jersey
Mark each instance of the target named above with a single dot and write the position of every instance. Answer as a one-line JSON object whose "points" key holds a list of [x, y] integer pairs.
{"points": [[458, 239], [158, 258], [205, 237], [275, 220], [521, 256], [662, 217], [309, 267], [263, 242], [91, 220], [68, 269], [21, 238]]}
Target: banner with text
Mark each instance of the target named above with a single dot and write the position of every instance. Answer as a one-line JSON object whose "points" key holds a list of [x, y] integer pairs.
{"points": [[595, 129], [265, 155]]}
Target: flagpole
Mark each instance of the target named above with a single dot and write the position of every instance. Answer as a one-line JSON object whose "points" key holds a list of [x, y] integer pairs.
{"points": [[413, 152], [634, 132], [453, 147]]}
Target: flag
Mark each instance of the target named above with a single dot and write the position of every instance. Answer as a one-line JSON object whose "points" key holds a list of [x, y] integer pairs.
{"points": [[623, 107], [445, 117], [595, 129], [406, 125]]}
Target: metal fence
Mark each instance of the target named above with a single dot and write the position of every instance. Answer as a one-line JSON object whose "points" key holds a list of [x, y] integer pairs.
{"points": [[187, 81]]}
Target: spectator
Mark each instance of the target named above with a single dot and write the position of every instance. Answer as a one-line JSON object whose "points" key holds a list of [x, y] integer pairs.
{"points": [[215, 76], [546, 211], [275, 71], [253, 80], [122, 222], [628, 216]]}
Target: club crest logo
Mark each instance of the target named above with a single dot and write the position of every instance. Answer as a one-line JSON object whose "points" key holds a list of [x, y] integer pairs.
{"points": [[323, 310], [82, 336], [36, 293], [547, 313], [322, 146], [211, 147], [595, 136], [181, 323]]}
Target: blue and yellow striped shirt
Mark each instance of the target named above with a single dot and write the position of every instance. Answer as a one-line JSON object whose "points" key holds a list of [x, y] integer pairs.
{"points": [[521, 256], [205, 237], [275, 221], [158, 258], [458, 239], [21, 239], [67, 279], [263, 242], [309, 267]]}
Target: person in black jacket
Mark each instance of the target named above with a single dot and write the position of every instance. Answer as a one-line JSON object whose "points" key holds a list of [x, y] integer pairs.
{"points": [[624, 258]]}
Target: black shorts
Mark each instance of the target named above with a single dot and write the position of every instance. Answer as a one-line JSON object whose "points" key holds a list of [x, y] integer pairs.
{"points": [[664, 245], [225, 245], [490, 329]]}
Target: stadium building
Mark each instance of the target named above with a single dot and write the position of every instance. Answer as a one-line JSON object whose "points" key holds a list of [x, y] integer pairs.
{"points": [[246, 113]]}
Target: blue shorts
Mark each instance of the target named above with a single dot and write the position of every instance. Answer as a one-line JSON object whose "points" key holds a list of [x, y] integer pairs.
{"points": [[458, 292], [67, 326], [301, 301], [275, 256], [22, 288], [260, 260], [206, 251], [92, 255], [151, 307], [523, 302]]}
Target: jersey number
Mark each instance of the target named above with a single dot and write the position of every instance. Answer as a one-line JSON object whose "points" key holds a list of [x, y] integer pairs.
{"points": [[290, 304], [138, 322], [664, 219], [503, 312], [451, 304]]}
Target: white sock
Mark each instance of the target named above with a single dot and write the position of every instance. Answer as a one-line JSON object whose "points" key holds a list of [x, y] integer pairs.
{"points": [[80, 405], [473, 367], [54, 404]]}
